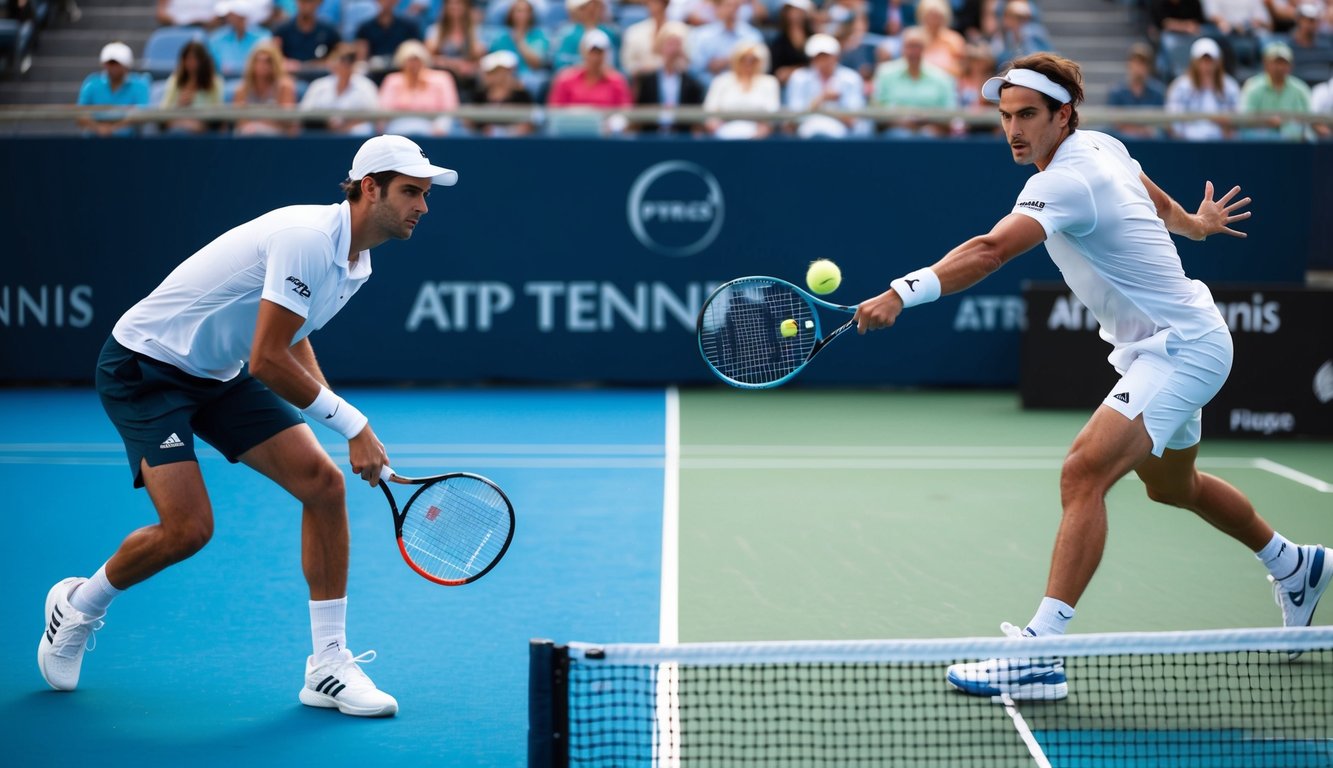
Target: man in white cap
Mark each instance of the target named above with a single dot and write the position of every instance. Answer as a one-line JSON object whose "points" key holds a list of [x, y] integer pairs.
{"points": [[173, 371], [115, 85], [1108, 228], [1276, 90], [825, 84], [230, 44]]}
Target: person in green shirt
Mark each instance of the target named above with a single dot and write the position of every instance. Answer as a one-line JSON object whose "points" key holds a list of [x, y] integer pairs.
{"points": [[913, 82], [1276, 90]]}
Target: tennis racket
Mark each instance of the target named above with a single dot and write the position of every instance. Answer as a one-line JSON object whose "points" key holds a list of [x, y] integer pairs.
{"points": [[740, 331], [455, 527]]}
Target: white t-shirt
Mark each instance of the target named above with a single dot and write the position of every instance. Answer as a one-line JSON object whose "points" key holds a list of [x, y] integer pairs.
{"points": [[1103, 232], [202, 317]]}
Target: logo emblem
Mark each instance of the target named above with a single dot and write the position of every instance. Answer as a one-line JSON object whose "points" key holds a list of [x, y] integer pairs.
{"points": [[1122, 397], [675, 208], [299, 287]]}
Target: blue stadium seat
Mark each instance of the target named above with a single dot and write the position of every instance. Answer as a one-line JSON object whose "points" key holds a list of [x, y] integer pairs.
{"points": [[164, 47]]}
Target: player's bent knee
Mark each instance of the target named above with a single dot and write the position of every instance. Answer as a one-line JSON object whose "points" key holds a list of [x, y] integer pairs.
{"points": [[185, 540], [326, 486], [1171, 496]]}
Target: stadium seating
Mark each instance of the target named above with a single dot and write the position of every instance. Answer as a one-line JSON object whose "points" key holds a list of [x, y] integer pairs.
{"points": [[163, 48]]}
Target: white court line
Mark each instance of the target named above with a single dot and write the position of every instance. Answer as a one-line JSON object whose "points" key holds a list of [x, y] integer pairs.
{"points": [[1025, 733], [669, 623]]}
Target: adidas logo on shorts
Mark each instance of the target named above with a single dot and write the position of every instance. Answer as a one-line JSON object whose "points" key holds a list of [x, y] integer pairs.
{"points": [[172, 442]]}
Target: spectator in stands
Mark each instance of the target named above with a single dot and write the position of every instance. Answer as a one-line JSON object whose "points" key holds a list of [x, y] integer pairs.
{"points": [[265, 83], [418, 86], [455, 44], [1019, 35], [18, 36], [711, 46], [746, 86], [194, 84], [976, 20], [979, 65], [1139, 90], [1275, 90], [1321, 103], [524, 36], [696, 13], [914, 82], [306, 40], [231, 44], [500, 85], [1204, 88], [115, 85], [188, 13], [343, 88], [1174, 25], [378, 38], [1282, 14], [638, 47], [795, 26], [826, 84], [584, 16], [944, 47], [858, 53], [1240, 22], [594, 82], [671, 84]]}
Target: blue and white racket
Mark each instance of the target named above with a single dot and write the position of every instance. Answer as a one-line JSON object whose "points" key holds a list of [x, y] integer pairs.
{"points": [[741, 335]]}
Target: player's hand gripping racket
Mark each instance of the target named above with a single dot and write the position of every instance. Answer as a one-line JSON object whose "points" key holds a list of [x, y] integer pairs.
{"points": [[454, 529], [742, 338]]}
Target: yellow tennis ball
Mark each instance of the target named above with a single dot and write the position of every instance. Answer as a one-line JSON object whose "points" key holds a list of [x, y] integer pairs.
{"points": [[823, 276], [788, 328]]}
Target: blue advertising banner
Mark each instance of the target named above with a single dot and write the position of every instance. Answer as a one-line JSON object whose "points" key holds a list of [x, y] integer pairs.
{"points": [[588, 260]]}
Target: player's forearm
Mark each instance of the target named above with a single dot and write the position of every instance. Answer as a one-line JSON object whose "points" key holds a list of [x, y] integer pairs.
{"points": [[1178, 221], [285, 374], [968, 264]]}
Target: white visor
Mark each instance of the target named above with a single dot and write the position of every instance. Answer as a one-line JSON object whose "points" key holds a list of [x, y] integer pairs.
{"points": [[1028, 78]]}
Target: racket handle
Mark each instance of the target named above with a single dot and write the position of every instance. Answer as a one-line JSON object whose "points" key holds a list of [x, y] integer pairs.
{"points": [[386, 473]]}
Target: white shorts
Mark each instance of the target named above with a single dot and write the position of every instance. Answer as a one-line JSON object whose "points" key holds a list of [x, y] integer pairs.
{"points": [[1168, 381]]}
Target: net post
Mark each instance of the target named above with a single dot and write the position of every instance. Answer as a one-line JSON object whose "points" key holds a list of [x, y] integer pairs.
{"points": [[548, 704]]}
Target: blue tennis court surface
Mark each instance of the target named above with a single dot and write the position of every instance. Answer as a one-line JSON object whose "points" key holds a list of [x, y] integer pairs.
{"points": [[203, 662]]}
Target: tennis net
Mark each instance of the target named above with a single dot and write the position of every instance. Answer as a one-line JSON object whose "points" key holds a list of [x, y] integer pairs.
{"points": [[1211, 699]]}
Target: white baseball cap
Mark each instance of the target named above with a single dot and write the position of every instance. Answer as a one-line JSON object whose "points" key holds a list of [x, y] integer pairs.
{"points": [[804, 5], [595, 38], [401, 154], [822, 43], [1205, 46], [118, 52], [506, 59]]}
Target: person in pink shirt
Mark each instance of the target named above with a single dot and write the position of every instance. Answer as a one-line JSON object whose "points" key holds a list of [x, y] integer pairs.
{"points": [[594, 83], [417, 86]]}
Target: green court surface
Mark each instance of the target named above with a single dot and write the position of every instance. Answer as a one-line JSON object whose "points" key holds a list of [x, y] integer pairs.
{"points": [[879, 514]]}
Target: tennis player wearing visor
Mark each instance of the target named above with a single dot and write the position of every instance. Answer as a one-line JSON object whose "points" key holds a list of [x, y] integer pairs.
{"points": [[1108, 228], [174, 369]]}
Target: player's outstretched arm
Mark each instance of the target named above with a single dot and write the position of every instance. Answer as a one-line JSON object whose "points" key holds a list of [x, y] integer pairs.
{"points": [[1213, 217], [961, 268]]}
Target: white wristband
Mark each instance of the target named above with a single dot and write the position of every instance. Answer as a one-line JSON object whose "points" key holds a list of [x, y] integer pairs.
{"points": [[336, 413], [919, 287]]}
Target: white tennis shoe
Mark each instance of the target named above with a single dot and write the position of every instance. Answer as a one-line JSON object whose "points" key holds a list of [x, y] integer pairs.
{"points": [[67, 635], [340, 684], [1316, 572], [1021, 679]]}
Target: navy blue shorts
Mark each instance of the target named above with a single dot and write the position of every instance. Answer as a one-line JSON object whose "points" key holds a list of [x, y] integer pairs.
{"points": [[158, 409]]}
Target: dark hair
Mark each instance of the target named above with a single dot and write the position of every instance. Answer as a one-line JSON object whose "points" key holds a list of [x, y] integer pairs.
{"points": [[1061, 71], [204, 75], [353, 188], [509, 14]]}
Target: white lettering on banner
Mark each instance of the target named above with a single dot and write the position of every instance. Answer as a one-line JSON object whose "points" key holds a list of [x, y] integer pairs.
{"points": [[459, 306], [1267, 423], [991, 313], [675, 227], [47, 306], [587, 307], [1069, 314], [1255, 316]]}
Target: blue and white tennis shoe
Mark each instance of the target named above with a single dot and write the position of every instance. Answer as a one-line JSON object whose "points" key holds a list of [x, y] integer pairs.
{"points": [[1036, 679], [1316, 572]]}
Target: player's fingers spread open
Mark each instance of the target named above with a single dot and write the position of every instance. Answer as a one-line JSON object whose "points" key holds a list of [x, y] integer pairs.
{"points": [[1232, 193]]}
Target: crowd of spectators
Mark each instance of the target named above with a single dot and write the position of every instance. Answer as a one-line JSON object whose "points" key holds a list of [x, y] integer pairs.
{"points": [[759, 56]]}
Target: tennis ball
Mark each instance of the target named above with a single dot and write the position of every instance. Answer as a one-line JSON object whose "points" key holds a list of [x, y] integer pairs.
{"points": [[823, 276], [788, 328]]}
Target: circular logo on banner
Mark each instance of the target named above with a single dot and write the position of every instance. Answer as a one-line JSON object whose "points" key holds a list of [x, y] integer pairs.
{"points": [[675, 208]]}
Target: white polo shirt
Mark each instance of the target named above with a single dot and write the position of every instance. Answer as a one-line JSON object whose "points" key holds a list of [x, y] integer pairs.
{"points": [[1103, 232], [202, 317]]}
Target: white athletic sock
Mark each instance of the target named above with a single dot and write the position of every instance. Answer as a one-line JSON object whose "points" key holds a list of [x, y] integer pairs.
{"points": [[328, 627], [94, 595], [1051, 618], [1282, 559]]}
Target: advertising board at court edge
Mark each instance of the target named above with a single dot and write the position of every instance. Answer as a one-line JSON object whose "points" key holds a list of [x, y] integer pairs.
{"points": [[674, 209]]}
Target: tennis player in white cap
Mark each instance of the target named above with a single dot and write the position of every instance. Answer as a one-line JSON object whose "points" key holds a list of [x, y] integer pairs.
{"points": [[1108, 228], [174, 370]]}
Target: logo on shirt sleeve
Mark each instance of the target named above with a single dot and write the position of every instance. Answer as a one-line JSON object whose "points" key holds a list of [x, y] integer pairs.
{"points": [[299, 287], [1035, 205]]}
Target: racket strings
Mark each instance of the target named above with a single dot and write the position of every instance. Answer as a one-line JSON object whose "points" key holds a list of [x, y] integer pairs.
{"points": [[741, 336], [456, 528]]}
